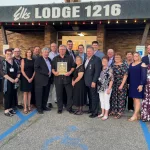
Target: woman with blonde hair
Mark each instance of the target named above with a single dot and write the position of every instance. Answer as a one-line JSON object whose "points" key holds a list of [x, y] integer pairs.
{"points": [[137, 80], [27, 70]]}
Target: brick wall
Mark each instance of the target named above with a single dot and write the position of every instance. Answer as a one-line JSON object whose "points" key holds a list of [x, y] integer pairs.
{"points": [[122, 41], [23, 40]]}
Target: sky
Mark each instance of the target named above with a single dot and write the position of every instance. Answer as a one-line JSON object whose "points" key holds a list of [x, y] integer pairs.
{"points": [[29, 2]]}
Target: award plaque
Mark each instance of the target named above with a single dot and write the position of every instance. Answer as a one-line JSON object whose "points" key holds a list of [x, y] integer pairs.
{"points": [[62, 68]]}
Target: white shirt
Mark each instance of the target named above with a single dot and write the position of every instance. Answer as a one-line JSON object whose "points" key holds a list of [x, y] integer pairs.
{"points": [[87, 61]]}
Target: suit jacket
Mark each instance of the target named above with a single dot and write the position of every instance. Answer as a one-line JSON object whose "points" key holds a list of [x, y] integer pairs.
{"points": [[41, 71], [67, 53], [92, 71], [145, 60]]}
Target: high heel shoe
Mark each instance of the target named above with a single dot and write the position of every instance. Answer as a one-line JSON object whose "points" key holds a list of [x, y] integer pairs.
{"points": [[29, 108]]}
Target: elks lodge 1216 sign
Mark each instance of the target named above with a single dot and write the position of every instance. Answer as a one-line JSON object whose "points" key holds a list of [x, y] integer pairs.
{"points": [[102, 10]]}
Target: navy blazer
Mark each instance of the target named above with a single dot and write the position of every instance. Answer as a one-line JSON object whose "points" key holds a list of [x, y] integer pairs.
{"points": [[67, 53], [145, 60], [41, 71], [92, 71]]}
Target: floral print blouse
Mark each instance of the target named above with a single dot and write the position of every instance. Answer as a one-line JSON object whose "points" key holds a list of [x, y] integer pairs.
{"points": [[106, 76]]}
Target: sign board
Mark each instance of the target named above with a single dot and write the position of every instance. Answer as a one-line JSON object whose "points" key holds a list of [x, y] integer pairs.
{"points": [[101, 10], [140, 50], [4, 48]]}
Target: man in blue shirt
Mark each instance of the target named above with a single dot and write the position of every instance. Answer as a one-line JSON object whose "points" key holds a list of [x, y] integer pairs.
{"points": [[81, 52], [52, 94], [97, 52]]}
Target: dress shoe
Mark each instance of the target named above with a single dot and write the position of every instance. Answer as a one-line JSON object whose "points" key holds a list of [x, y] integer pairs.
{"points": [[12, 112], [46, 109], [93, 115], [50, 105], [71, 111], [40, 111], [59, 111], [8, 114]]}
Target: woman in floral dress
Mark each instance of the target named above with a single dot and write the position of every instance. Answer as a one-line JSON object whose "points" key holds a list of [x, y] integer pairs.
{"points": [[119, 90], [145, 112]]}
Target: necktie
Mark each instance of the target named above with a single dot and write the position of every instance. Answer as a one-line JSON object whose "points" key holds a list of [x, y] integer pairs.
{"points": [[72, 55]]}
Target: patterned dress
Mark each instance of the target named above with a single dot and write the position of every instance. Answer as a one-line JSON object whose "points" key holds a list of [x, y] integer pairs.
{"points": [[118, 97], [145, 112]]}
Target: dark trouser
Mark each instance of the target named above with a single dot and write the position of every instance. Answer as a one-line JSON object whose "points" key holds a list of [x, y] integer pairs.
{"points": [[130, 104], [60, 98], [10, 99], [64, 97], [93, 100], [33, 94], [41, 95]]}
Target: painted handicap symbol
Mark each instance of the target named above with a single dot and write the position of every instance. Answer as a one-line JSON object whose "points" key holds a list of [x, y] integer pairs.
{"points": [[66, 140]]}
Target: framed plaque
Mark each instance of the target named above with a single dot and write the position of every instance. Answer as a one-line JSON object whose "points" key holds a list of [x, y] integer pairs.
{"points": [[62, 68]]}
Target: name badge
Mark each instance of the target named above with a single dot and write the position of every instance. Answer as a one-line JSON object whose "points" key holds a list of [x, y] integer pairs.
{"points": [[11, 69]]}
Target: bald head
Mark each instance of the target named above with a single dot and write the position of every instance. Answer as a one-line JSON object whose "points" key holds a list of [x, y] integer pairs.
{"points": [[110, 53], [53, 47]]}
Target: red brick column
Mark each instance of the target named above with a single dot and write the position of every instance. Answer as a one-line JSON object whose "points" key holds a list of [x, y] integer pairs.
{"points": [[101, 37], [50, 35]]}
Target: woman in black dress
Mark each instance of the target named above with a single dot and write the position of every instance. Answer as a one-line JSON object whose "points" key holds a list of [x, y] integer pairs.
{"points": [[11, 76], [27, 70], [79, 86]]}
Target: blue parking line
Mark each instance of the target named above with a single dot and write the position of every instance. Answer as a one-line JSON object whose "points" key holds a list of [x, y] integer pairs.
{"points": [[146, 133], [18, 124]]}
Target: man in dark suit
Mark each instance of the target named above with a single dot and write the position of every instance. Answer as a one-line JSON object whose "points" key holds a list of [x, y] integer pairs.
{"points": [[93, 67], [42, 80], [146, 59], [69, 49], [81, 53]]}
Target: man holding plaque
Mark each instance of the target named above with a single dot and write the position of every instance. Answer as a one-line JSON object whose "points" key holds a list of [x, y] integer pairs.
{"points": [[62, 68]]}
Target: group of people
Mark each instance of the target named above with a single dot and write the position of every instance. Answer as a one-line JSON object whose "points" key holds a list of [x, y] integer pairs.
{"points": [[110, 82]]}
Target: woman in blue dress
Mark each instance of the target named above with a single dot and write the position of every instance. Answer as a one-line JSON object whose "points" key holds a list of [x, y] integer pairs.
{"points": [[137, 79]]}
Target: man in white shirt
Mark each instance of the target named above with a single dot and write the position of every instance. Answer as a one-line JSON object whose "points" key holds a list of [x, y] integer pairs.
{"points": [[52, 94], [110, 54]]}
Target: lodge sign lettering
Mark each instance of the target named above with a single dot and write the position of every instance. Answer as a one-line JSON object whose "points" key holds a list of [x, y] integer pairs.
{"points": [[102, 10]]}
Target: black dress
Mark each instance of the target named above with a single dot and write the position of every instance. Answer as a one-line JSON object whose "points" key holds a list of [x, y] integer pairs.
{"points": [[79, 96], [29, 70]]}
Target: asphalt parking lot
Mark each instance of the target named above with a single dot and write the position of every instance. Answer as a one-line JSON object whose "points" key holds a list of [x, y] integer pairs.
{"points": [[65, 131]]}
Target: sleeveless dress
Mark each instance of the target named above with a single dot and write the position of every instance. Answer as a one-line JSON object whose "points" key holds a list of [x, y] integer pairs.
{"points": [[137, 76], [29, 70], [79, 96], [145, 111]]}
